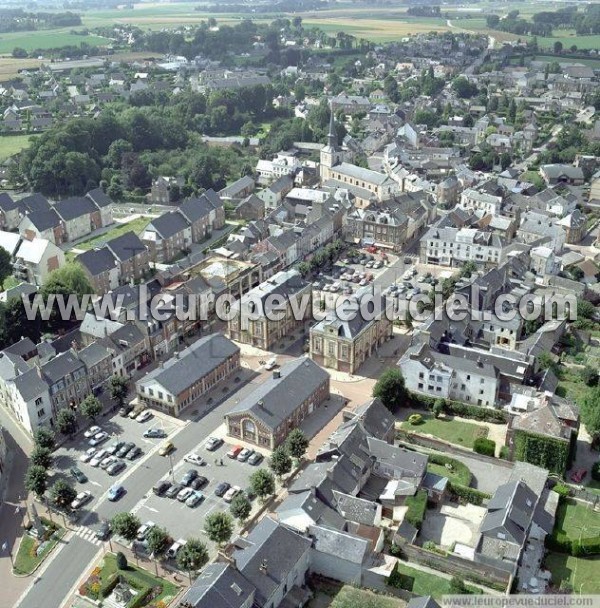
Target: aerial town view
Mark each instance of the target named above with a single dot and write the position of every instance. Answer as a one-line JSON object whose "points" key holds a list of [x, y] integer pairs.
{"points": [[299, 303]]}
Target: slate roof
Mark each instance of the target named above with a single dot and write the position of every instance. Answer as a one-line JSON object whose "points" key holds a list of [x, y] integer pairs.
{"points": [[34, 202], [44, 219], [274, 400], [341, 545], [192, 364], [7, 203], [168, 224], [356, 509], [93, 354], [99, 197], [422, 602], [219, 585], [375, 418], [21, 348], [30, 384], [65, 363], [126, 246], [313, 508], [195, 208], [74, 207], [97, 261], [271, 552]]}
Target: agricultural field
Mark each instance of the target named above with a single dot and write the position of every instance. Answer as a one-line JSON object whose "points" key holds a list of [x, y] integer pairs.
{"points": [[46, 39], [12, 144]]}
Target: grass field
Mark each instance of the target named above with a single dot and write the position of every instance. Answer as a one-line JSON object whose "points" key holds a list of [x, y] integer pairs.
{"points": [[581, 574], [136, 226], [11, 144], [426, 583], [453, 431], [46, 39], [26, 561], [350, 596], [576, 520], [458, 473]]}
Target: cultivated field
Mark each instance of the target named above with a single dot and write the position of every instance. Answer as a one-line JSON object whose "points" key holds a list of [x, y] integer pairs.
{"points": [[46, 39]]}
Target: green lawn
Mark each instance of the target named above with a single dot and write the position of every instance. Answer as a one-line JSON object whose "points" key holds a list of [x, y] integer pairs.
{"points": [[350, 597], [580, 574], [26, 561], [457, 472], [47, 39], [426, 583], [575, 520], [136, 226], [453, 431], [12, 144]]}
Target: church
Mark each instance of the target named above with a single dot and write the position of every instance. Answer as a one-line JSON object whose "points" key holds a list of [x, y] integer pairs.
{"points": [[366, 185]]}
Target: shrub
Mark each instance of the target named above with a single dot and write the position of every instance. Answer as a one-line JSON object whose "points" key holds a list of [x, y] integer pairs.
{"points": [[464, 494], [455, 408], [456, 466], [417, 505], [562, 489], [109, 584], [596, 471], [505, 452], [439, 406], [140, 599], [399, 580], [484, 446], [121, 561], [396, 550], [415, 419]]}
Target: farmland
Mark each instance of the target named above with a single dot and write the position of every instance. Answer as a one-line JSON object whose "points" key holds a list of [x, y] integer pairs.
{"points": [[47, 39]]}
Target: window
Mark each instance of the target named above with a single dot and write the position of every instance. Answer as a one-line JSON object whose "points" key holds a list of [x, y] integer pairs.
{"points": [[38, 401], [151, 392], [421, 375]]}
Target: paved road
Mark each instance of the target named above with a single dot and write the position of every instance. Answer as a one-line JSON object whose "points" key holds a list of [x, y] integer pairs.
{"points": [[54, 583]]}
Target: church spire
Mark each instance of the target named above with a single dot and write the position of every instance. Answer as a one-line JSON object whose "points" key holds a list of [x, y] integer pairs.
{"points": [[332, 139]]}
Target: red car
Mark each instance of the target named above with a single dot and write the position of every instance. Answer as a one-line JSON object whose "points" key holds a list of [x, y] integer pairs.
{"points": [[578, 475]]}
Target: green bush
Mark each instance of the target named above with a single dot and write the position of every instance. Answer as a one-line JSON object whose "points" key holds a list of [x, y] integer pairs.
{"points": [[545, 452], [562, 489], [417, 505], [141, 598], [415, 419], [505, 452], [455, 408], [400, 581], [472, 495], [109, 584], [596, 471], [121, 561], [484, 446], [586, 546]]}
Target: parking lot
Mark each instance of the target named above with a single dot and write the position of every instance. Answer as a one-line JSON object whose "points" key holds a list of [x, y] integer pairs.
{"points": [[182, 521], [119, 429]]}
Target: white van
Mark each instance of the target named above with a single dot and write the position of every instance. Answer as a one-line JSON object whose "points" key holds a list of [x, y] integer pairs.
{"points": [[271, 363], [174, 548]]}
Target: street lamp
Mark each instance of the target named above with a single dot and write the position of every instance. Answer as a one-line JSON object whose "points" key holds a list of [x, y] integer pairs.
{"points": [[6, 548], [171, 465]]}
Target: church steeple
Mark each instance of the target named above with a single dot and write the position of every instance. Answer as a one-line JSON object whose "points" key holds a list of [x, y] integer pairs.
{"points": [[332, 139]]}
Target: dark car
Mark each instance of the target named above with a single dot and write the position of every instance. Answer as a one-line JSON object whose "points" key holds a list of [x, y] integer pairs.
{"points": [[116, 467], [125, 410], [134, 452], [174, 490], [222, 488], [79, 475], [189, 476], [113, 448], [103, 530], [125, 449], [154, 434], [161, 487], [199, 482]]}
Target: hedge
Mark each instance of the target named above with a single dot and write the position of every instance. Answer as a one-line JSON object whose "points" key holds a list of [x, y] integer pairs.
{"points": [[400, 581], [460, 468], [455, 408], [545, 452], [472, 495], [484, 446], [109, 584], [141, 598], [417, 505]]}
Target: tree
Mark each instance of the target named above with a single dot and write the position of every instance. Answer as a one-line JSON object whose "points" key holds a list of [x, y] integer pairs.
{"points": [[218, 527], [240, 507], [125, 525], [90, 407], [66, 421], [439, 405], [463, 88], [589, 375], [390, 389], [296, 443], [590, 411], [121, 561], [457, 586], [6, 267], [19, 53], [62, 493], [280, 462], [69, 279], [558, 47], [192, 556], [545, 361], [119, 389], [36, 479], [44, 437], [157, 541], [41, 457], [262, 483]]}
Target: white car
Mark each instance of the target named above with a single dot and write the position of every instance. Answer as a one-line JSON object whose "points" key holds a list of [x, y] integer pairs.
{"points": [[245, 454], [184, 494], [144, 416], [93, 430], [88, 455], [144, 529], [108, 461], [81, 499], [194, 459], [98, 457], [231, 493], [98, 438]]}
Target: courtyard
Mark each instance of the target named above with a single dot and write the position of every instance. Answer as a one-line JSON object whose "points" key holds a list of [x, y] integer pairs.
{"points": [[452, 523], [448, 429]]}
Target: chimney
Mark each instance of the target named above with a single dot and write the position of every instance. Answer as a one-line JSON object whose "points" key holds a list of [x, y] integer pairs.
{"points": [[276, 374]]}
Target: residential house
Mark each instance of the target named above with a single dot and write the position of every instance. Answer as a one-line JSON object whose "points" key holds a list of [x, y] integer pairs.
{"points": [[80, 217], [104, 203], [10, 241], [562, 174], [102, 269], [166, 189], [239, 189], [250, 208], [268, 313], [188, 375], [9, 212], [131, 255], [278, 405], [274, 194], [43, 224], [97, 359], [380, 225], [36, 259], [284, 164], [68, 380], [167, 237]]}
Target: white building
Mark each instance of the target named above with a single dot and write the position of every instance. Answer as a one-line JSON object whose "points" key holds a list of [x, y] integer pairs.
{"points": [[474, 200], [283, 164], [36, 259]]}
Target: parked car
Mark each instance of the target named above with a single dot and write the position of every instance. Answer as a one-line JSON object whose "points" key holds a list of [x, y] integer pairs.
{"points": [[166, 449], [255, 458], [234, 452], [102, 530], [116, 467], [222, 488], [184, 494], [98, 458], [115, 493], [98, 438], [135, 411], [189, 476], [578, 475], [174, 548], [113, 448], [174, 490], [231, 493], [133, 453], [108, 461], [271, 363], [79, 475], [194, 499], [161, 487], [88, 455], [194, 458], [125, 449], [212, 443], [245, 454], [93, 430], [81, 499], [125, 411], [144, 529], [154, 434], [144, 416], [199, 482]]}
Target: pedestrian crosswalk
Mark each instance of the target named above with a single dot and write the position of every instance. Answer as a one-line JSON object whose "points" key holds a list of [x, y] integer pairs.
{"points": [[87, 534]]}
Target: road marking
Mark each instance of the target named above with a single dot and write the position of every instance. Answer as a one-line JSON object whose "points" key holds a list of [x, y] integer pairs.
{"points": [[150, 508], [95, 483]]}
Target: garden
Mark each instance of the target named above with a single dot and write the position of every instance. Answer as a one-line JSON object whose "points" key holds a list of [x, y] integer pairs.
{"points": [[574, 573], [115, 574], [33, 550], [424, 583], [448, 429]]}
